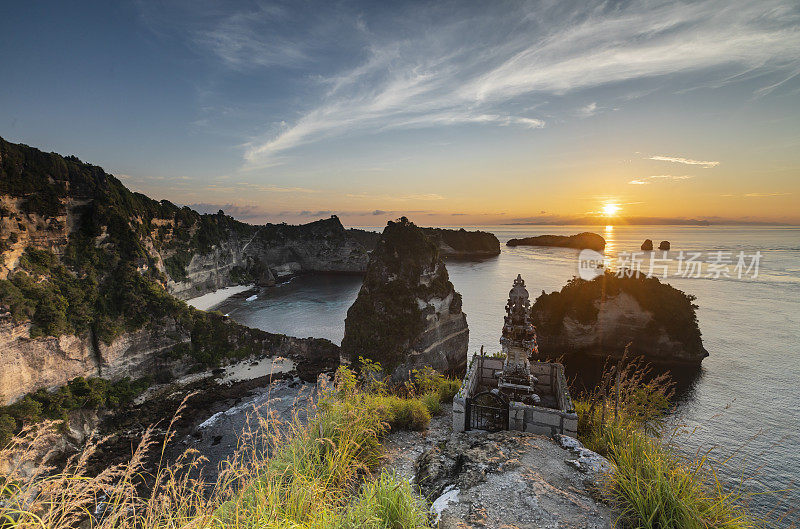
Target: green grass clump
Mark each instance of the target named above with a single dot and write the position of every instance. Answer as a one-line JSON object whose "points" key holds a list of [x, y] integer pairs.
{"points": [[652, 486], [656, 488], [386, 503]]}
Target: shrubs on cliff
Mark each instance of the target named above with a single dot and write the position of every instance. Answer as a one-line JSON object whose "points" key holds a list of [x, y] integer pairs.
{"points": [[79, 393], [46, 293], [126, 223], [56, 301]]}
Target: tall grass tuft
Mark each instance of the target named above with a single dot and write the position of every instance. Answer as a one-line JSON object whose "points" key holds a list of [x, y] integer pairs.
{"points": [[653, 486], [295, 474]]}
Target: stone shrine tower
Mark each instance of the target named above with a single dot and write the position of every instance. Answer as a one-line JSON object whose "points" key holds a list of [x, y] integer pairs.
{"points": [[519, 343]]}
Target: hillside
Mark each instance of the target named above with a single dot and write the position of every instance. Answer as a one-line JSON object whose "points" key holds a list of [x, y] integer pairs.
{"points": [[90, 272]]}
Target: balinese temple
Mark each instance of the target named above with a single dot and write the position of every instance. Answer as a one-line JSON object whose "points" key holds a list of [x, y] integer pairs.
{"points": [[510, 391], [519, 345]]}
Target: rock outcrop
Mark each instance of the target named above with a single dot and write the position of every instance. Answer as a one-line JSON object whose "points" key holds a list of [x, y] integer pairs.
{"points": [[580, 241], [647, 245], [600, 317], [664, 245], [407, 313], [463, 244], [511, 479]]}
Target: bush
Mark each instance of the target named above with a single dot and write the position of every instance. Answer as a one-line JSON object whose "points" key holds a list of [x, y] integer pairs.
{"points": [[78, 393]]}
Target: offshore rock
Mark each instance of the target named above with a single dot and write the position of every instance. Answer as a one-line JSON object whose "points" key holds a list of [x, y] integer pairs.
{"points": [[647, 245], [407, 314], [601, 317], [580, 241], [664, 245]]}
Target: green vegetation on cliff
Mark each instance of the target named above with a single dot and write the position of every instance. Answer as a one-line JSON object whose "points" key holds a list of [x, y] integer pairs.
{"points": [[579, 299], [78, 394], [123, 223], [465, 243], [653, 485]]}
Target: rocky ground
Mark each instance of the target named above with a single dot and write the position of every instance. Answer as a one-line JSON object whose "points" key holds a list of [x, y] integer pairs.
{"points": [[504, 479]]}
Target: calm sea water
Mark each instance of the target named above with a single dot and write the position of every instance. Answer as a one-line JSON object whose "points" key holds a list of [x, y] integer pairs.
{"points": [[744, 401]]}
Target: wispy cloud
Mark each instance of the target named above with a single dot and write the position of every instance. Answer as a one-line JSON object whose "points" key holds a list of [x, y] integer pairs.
{"points": [[760, 195], [444, 72], [414, 197], [354, 70], [588, 110], [754, 195], [685, 161], [659, 178]]}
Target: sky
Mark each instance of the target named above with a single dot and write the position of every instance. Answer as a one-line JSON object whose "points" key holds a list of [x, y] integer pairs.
{"points": [[452, 113]]}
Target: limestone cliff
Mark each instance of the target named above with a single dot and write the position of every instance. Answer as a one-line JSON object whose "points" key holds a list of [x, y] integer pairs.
{"points": [[162, 350], [87, 268], [272, 253], [600, 317], [407, 313]]}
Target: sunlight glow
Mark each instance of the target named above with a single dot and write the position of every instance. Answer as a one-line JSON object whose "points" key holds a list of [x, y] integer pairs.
{"points": [[611, 209]]}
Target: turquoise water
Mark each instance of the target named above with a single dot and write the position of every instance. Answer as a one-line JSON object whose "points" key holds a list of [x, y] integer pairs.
{"points": [[744, 401]]}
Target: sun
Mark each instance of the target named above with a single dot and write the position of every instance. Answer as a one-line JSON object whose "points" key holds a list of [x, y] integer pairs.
{"points": [[609, 210]]}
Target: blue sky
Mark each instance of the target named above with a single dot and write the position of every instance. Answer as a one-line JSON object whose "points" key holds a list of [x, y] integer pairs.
{"points": [[451, 112]]}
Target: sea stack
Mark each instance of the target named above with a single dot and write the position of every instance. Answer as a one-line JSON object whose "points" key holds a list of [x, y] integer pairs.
{"points": [[599, 318], [647, 245], [664, 245], [407, 314]]}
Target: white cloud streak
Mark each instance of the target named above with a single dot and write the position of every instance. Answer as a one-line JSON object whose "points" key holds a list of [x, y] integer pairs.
{"points": [[685, 161], [659, 178]]}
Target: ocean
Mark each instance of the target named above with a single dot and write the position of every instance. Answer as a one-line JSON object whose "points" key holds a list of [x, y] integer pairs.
{"points": [[743, 404]]}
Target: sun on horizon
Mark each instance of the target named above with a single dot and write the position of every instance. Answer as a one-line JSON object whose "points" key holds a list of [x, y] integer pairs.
{"points": [[611, 209]]}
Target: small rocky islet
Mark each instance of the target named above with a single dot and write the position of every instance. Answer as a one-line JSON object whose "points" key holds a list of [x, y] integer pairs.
{"points": [[580, 241]]}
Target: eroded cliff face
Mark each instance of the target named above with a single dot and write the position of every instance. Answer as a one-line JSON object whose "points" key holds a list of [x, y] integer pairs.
{"points": [[158, 351], [274, 253], [28, 364], [619, 320], [407, 314]]}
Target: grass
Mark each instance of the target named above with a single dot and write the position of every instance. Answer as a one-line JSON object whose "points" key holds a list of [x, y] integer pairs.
{"points": [[322, 473], [653, 486]]}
